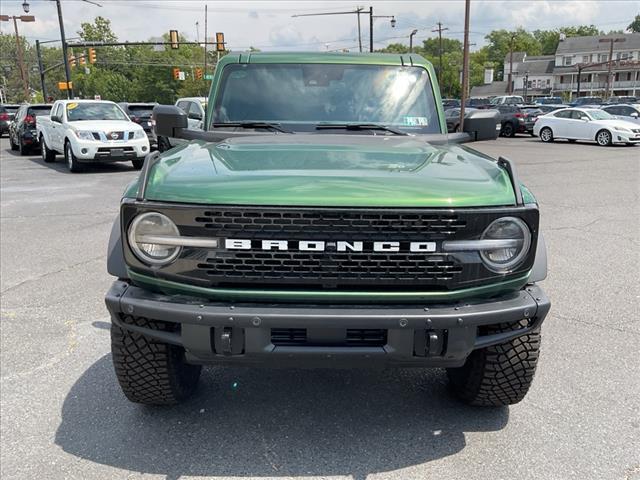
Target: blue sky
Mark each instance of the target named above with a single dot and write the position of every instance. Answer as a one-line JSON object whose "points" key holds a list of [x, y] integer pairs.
{"points": [[269, 25]]}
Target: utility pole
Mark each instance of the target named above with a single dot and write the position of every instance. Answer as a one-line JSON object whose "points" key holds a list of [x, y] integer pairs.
{"points": [[465, 63], [24, 75], [370, 29], [440, 30], [67, 70], [358, 10], [41, 71], [510, 85], [610, 59]]}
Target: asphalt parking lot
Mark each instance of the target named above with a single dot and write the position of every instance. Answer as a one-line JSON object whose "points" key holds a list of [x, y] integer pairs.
{"points": [[64, 416]]}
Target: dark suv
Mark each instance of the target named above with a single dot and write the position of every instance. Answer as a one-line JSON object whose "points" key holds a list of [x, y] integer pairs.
{"points": [[22, 131], [7, 112], [517, 119], [141, 114]]}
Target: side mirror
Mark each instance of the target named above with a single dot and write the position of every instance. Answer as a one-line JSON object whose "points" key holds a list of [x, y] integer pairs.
{"points": [[584, 119], [634, 115], [482, 125], [170, 120], [195, 116], [56, 118]]}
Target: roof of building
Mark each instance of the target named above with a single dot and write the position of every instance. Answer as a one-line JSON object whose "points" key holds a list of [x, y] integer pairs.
{"points": [[593, 43], [491, 89], [534, 64], [517, 57]]}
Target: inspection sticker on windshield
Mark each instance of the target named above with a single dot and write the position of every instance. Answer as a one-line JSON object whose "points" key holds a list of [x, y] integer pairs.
{"points": [[416, 121], [71, 106]]}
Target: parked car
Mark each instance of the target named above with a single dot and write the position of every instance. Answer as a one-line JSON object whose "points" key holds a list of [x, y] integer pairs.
{"points": [[586, 124], [89, 131], [585, 101], [452, 117], [629, 112], [141, 113], [7, 112], [516, 119], [450, 103], [622, 99], [549, 101], [478, 102], [507, 100], [324, 222], [23, 135], [194, 107], [530, 114], [550, 108]]}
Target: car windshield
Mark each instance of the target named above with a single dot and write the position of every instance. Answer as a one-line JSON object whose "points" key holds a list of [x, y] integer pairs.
{"points": [[94, 111], [305, 95], [144, 111], [599, 114]]}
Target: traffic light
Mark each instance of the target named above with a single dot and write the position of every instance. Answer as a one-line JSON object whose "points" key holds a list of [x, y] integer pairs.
{"points": [[220, 42], [82, 60], [72, 60], [92, 55], [173, 39], [199, 73], [176, 73]]}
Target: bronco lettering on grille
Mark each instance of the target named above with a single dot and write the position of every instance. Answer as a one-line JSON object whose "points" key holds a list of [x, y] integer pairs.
{"points": [[322, 245]]}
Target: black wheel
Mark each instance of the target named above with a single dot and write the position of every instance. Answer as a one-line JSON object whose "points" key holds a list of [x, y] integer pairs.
{"points": [[13, 146], [48, 156], [72, 161], [498, 375], [163, 144], [151, 372], [508, 130], [24, 150], [603, 137], [546, 134], [138, 163]]}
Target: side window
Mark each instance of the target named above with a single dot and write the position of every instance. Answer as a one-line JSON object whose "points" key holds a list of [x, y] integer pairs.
{"points": [[20, 114], [625, 111], [184, 106], [612, 110], [577, 114], [563, 114]]}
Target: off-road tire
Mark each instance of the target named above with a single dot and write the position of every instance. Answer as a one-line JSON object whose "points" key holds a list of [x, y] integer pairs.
{"points": [[546, 135], [137, 163], [508, 130], [151, 372], [49, 156], [498, 375], [72, 162], [604, 138]]}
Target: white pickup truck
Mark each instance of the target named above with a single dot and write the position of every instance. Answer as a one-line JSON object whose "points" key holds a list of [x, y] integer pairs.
{"points": [[91, 131]]}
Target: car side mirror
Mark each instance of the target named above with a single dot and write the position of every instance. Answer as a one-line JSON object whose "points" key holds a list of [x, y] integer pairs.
{"points": [[584, 119], [170, 120], [56, 118], [195, 116], [482, 125], [634, 115]]}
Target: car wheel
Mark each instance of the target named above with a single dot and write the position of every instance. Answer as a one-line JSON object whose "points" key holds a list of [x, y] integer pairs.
{"points": [[508, 130], [603, 137], [546, 134], [23, 149], [138, 163], [49, 156], [72, 161], [163, 144], [500, 374], [149, 371]]}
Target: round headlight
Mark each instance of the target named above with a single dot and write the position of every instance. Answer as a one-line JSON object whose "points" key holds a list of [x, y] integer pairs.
{"points": [[504, 260], [147, 226]]}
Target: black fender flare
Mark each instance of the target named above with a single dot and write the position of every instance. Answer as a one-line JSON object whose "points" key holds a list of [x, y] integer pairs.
{"points": [[116, 265], [539, 270]]}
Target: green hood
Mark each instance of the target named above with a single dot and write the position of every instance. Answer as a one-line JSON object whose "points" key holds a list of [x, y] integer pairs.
{"points": [[328, 170]]}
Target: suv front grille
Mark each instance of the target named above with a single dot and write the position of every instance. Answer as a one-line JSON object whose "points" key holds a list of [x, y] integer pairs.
{"points": [[352, 337]]}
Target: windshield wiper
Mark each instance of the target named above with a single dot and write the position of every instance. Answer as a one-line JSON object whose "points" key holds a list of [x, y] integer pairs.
{"points": [[271, 126], [359, 126]]}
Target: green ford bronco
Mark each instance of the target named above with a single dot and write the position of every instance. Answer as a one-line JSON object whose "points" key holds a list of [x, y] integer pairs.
{"points": [[324, 218]]}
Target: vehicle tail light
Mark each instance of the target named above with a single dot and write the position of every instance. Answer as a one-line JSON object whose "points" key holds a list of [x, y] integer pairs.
{"points": [[520, 115], [30, 119], [135, 119], [4, 116]]}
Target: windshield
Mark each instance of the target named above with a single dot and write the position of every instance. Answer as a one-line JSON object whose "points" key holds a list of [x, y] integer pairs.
{"points": [[39, 111], [301, 96], [599, 114], [94, 111], [144, 111]]}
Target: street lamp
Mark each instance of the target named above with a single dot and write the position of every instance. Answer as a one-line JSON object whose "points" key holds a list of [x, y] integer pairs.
{"points": [[411, 40]]}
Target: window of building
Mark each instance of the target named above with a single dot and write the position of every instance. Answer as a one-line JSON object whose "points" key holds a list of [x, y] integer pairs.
{"points": [[548, 82], [567, 61], [586, 58], [603, 57], [529, 84]]}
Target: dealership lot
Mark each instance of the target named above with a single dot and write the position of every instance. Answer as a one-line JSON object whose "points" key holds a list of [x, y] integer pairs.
{"points": [[63, 415]]}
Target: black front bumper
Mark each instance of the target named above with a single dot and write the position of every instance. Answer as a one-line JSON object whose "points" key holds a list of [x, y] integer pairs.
{"points": [[413, 335]]}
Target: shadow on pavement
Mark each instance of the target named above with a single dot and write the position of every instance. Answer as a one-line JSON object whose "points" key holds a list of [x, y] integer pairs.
{"points": [[90, 168], [250, 422]]}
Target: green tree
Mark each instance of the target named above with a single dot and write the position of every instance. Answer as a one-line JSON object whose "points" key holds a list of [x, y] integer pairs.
{"points": [[634, 27], [500, 42]]}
